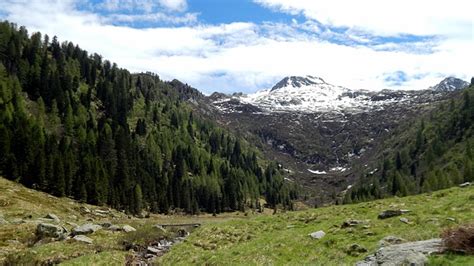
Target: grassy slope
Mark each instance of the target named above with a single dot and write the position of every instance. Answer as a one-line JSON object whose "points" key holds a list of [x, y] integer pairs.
{"points": [[283, 239], [18, 202], [235, 238]]}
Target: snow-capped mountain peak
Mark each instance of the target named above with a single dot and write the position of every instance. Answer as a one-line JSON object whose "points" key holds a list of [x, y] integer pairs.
{"points": [[298, 82], [450, 84], [311, 94]]}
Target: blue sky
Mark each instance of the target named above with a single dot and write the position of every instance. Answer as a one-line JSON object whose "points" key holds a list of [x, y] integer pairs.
{"points": [[248, 45]]}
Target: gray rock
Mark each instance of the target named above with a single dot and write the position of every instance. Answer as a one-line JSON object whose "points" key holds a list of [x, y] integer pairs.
{"points": [[404, 220], [114, 228], [411, 253], [53, 217], [50, 230], [390, 240], [465, 184], [3, 221], [103, 212], [18, 221], [317, 235], [127, 228], [391, 213], [83, 238], [86, 229]]}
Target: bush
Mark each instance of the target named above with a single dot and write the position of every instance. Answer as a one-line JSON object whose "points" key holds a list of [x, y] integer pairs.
{"points": [[460, 239]]}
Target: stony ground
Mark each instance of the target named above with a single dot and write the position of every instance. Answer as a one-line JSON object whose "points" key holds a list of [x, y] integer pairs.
{"points": [[79, 234]]}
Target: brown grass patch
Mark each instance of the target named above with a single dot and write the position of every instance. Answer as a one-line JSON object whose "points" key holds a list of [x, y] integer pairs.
{"points": [[459, 239]]}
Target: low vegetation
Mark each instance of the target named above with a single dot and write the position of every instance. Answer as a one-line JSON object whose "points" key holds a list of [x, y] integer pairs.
{"points": [[235, 238], [460, 239]]}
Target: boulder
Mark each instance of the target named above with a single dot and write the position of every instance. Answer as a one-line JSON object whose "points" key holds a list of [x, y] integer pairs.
{"points": [[114, 228], [391, 213], [86, 229], [317, 235], [53, 217], [465, 184], [410, 253], [83, 238], [127, 228], [404, 220], [50, 230]]}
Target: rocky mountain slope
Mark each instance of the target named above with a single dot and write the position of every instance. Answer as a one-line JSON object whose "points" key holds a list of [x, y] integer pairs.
{"points": [[320, 132]]}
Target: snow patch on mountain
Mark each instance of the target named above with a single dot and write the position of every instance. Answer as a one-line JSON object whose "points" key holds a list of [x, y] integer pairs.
{"points": [[312, 94]]}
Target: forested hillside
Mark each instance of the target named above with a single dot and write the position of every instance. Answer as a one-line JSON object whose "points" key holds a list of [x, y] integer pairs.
{"points": [[428, 153], [73, 124]]}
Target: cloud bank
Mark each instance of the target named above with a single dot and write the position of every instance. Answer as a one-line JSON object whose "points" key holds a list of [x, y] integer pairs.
{"points": [[402, 45]]}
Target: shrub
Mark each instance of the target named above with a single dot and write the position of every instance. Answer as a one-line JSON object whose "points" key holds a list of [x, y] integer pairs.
{"points": [[459, 239]]}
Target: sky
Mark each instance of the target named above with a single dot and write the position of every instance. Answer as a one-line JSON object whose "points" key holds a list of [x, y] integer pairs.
{"points": [[249, 45]]}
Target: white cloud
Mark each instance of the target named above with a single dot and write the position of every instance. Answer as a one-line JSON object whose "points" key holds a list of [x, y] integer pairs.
{"points": [[241, 56], [187, 18], [144, 5], [420, 17], [176, 5]]}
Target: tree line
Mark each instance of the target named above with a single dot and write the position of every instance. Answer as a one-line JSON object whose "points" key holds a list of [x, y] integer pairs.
{"points": [[73, 124]]}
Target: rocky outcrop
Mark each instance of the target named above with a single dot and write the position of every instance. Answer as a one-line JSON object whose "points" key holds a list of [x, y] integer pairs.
{"points": [[411, 253], [50, 230], [86, 229], [128, 229]]}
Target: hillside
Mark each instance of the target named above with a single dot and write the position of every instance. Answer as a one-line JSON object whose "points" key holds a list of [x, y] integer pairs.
{"points": [[74, 124], [227, 238], [426, 153], [283, 239]]}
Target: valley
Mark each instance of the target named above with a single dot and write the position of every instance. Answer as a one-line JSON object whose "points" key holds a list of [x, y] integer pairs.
{"points": [[324, 135], [226, 238], [103, 166]]}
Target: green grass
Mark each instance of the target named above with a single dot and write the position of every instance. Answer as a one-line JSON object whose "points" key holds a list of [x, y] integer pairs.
{"points": [[283, 238], [235, 238]]}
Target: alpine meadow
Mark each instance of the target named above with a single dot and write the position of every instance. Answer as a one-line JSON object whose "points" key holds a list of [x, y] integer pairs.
{"points": [[242, 132]]}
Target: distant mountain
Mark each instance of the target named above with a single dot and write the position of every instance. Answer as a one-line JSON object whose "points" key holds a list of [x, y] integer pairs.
{"points": [[450, 84], [321, 133], [312, 94]]}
